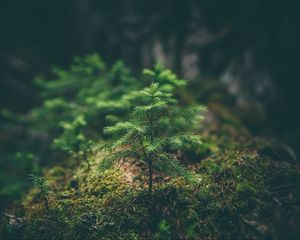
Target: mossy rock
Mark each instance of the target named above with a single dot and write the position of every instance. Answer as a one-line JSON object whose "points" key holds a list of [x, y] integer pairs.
{"points": [[243, 191], [240, 194], [246, 188]]}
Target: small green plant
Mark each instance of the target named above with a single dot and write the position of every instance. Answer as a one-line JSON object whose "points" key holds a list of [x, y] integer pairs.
{"points": [[87, 151], [73, 141], [76, 100], [40, 183], [158, 126], [163, 230]]}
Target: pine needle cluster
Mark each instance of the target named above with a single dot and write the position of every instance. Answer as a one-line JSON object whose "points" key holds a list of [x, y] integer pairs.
{"points": [[156, 128], [145, 124], [41, 184]]}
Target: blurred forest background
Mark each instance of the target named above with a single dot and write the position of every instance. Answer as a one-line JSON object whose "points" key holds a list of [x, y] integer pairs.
{"points": [[252, 47]]}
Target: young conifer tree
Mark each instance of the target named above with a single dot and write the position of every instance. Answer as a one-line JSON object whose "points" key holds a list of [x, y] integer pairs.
{"points": [[73, 140], [148, 137], [41, 184]]}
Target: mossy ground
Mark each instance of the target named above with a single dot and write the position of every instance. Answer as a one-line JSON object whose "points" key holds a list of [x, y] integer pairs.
{"points": [[247, 188]]}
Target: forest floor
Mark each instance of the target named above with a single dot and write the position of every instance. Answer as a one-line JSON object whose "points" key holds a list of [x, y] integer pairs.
{"points": [[248, 188]]}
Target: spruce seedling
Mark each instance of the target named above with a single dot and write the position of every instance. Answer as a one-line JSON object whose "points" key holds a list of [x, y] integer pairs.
{"points": [[73, 141], [146, 138], [41, 184]]}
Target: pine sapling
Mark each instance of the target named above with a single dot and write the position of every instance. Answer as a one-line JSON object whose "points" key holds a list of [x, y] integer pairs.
{"points": [[147, 138], [41, 184], [86, 150], [73, 140]]}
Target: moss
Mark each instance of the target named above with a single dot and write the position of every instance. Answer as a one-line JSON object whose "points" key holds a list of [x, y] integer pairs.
{"points": [[247, 188], [233, 199]]}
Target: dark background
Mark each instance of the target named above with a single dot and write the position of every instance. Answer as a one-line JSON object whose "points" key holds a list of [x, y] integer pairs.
{"points": [[252, 46]]}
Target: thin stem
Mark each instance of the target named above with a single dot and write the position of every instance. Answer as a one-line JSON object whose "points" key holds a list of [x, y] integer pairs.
{"points": [[149, 162], [150, 178], [85, 156], [45, 198]]}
